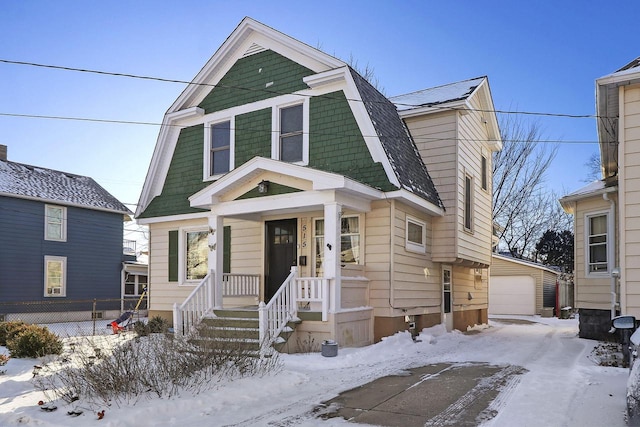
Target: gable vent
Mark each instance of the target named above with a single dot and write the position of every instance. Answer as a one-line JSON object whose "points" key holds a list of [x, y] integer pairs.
{"points": [[253, 49]]}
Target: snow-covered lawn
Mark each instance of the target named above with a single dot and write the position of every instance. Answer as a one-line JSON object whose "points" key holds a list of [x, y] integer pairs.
{"points": [[563, 385]]}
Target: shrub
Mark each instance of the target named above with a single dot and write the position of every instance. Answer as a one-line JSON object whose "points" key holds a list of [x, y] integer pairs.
{"points": [[9, 329], [33, 341], [155, 325], [158, 324], [156, 365]]}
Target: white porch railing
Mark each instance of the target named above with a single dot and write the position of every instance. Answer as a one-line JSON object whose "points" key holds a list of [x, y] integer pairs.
{"points": [[201, 300], [240, 285], [280, 309], [193, 309], [314, 289]]}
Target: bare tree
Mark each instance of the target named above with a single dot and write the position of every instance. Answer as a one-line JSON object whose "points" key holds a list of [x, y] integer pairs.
{"points": [[522, 206], [594, 168]]}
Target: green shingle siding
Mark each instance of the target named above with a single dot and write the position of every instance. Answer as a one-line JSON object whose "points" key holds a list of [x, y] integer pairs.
{"points": [[274, 189], [253, 136], [337, 145], [183, 178], [247, 81]]}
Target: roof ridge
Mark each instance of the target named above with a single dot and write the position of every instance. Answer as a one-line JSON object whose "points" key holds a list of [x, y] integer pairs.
{"points": [[437, 87]]}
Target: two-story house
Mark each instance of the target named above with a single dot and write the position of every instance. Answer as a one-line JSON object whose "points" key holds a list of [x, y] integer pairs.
{"points": [[61, 243], [607, 212], [282, 181]]}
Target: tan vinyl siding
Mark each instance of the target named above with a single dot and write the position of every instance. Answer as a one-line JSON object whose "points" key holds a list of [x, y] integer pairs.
{"points": [[630, 199], [377, 226], [475, 245], [452, 145], [411, 287], [246, 257], [590, 292], [162, 293], [465, 282], [435, 137]]}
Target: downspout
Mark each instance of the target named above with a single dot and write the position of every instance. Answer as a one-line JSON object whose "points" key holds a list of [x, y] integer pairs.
{"points": [[615, 273]]}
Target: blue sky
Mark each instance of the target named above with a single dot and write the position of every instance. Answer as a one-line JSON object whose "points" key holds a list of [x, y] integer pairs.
{"points": [[541, 56]]}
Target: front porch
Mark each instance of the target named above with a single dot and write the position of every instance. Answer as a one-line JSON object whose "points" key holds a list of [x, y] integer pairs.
{"points": [[314, 299]]}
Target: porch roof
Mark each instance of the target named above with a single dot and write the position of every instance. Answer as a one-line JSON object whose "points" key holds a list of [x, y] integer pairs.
{"points": [[319, 187]]}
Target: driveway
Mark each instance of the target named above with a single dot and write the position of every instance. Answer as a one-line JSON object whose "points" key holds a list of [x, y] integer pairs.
{"points": [[525, 373], [433, 395]]}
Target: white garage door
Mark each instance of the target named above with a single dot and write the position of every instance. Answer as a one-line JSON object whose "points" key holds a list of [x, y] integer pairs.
{"points": [[512, 295]]}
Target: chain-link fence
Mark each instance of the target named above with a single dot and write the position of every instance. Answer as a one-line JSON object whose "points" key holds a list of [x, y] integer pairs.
{"points": [[74, 317]]}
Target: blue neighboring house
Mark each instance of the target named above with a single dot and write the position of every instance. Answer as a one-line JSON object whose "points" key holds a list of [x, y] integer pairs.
{"points": [[61, 240]]}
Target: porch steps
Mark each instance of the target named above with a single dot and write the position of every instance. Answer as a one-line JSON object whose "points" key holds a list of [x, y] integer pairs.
{"points": [[237, 329]]}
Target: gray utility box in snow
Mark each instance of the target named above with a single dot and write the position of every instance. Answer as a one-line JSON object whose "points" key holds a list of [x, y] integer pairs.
{"points": [[329, 348]]}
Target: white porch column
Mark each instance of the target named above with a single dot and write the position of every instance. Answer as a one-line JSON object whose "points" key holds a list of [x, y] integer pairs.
{"points": [[331, 265], [216, 248]]}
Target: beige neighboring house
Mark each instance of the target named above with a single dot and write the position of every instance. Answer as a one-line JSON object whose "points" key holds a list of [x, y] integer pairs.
{"points": [[521, 287], [284, 184], [607, 212]]}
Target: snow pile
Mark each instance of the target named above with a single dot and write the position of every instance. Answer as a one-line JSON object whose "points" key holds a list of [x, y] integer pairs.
{"points": [[562, 385]]}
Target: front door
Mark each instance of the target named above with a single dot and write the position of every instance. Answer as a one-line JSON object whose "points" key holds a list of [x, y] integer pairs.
{"points": [[281, 252], [447, 314]]}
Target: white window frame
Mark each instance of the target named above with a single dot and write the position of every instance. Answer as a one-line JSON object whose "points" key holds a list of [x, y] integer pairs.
{"points": [[136, 283], [471, 203], [63, 225], [484, 172], [208, 135], [314, 254], [182, 255], [275, 125], [63, 288], [587, 231], [413, 246]]}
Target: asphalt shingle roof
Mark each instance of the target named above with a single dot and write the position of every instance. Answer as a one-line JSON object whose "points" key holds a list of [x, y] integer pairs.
{"points": [[25, 181], [397, 142]]}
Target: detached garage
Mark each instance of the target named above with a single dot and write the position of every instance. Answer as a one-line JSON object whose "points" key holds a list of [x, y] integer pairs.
{"points": [[520, 287]]}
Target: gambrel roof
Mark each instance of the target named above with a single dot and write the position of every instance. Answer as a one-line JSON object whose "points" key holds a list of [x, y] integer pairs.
{"points": [[397, 143], [387, 139], [36, 183]]}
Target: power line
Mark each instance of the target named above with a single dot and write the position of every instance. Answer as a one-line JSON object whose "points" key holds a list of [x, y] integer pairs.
{"points": [[424, 138], [273, 92]]}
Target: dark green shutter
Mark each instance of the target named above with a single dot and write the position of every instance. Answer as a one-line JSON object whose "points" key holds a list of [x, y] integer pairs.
{"points": [[173, 256], [226, 250]]}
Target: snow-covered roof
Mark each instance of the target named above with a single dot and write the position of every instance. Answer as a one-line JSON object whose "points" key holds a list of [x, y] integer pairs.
{"points": [[437, 95], [526, 262], [33, 182]]}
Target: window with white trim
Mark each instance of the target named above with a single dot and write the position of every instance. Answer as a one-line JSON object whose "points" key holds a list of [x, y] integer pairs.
{"points": [[135, 283], [55, 223], [349, 241], [55, 276], [597, 239], [484, 172], [468, 203], [416, 235], [291, 136], [219, 146], [196, 254]]}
